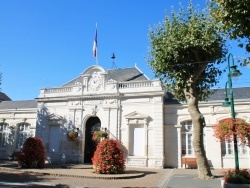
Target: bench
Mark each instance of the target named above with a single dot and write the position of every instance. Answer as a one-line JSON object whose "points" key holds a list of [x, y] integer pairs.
{"points": [[190, 161]]}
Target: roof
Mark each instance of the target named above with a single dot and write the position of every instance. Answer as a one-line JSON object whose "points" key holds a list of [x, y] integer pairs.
{"points": [[119, 75], [4, 97], [126, 74], [18, 104], [218, 95], [239, 93]]}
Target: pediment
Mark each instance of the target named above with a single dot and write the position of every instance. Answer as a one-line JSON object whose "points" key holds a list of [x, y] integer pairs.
{"points": [[54, 117], [93, 69], [136, 115]]}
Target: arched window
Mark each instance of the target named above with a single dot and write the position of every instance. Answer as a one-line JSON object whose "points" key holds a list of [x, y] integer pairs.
{"points": [[187, 138], [3, 135], [23, 132]]}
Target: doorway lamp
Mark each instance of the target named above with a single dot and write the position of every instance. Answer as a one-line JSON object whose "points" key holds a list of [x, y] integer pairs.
{"points": [[229, 101]]}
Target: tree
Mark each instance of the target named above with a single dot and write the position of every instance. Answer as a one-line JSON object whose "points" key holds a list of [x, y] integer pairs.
{"points": [[185, 52], [233, 17]]}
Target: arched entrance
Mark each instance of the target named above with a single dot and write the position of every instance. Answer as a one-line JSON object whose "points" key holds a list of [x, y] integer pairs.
{"points": [[92, 124]]}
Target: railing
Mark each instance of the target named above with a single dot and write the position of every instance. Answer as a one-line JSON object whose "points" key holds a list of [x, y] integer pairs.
{"points": [[113, 136], [58, 90], [127, 85], [119, 86]]}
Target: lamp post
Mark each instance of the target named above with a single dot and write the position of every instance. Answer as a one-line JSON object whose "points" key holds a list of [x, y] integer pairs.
{"points": [[232, 72]]}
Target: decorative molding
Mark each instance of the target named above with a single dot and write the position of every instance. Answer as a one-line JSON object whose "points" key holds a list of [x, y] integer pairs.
{"points": [[94, 110], [54, 118], [110, 101], [95, 83], [136, 118], [136, 114]]}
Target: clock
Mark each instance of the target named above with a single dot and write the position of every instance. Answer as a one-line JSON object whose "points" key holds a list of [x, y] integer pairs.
{"points": [[94, 82]]}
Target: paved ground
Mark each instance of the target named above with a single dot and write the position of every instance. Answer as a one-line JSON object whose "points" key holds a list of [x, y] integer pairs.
{"points": [[78, 175]]}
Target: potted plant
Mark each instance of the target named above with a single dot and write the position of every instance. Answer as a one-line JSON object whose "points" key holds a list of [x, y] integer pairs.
{"points": [[72, 135], [236, 179], [99, 135]]}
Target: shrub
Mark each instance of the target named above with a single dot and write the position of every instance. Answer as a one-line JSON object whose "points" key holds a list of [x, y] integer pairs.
{"points": [[237, 176], [33, 154], [109, 157]]}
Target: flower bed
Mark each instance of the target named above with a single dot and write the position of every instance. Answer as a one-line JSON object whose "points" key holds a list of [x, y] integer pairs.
{"points": [[236, 179]]}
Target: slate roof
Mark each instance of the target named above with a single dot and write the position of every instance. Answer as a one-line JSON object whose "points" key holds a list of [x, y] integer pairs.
{"points": [[119, 75], [240, 93], [18, 104], [126, 74], [4, 97]]}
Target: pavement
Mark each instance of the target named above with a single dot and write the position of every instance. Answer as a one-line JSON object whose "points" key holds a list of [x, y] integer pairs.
{"points": [[81, 175]]}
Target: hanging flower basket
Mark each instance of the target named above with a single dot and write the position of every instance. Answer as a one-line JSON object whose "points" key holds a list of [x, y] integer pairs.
{"points": [[72, 135], [99, 135], [224, 130]]}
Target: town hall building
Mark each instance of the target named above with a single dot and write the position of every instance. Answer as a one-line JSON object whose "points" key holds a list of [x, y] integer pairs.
{"points": [[154, 128]]}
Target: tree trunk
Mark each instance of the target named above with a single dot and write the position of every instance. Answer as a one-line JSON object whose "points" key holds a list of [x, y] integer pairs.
{"points": [[198, 121]]}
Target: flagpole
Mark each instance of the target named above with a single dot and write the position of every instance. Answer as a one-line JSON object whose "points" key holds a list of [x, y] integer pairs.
{"points": [[96, 59], [95, 47]]}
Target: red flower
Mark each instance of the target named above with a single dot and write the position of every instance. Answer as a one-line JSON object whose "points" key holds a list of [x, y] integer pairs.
{"points": [[33, 154], [109, 157], [224, 130]]}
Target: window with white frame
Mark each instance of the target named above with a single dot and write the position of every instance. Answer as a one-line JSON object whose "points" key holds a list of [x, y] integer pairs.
{"points": [[3, 135], [187, 138], [227, 148], [23, 133]]}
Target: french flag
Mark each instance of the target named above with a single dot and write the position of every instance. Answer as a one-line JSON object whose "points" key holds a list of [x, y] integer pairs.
{"points": [[95, 44]]}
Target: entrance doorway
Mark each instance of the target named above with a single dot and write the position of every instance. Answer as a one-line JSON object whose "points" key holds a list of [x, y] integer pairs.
{"points": [[92, 124]]}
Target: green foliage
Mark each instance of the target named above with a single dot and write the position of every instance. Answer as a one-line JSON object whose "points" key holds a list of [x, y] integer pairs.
{"points": [[109, 157], [233, 17], [185, 51], [33, 154]]}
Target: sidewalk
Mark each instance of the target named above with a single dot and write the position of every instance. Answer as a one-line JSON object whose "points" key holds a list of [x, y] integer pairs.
{"points": [[133, 177]]}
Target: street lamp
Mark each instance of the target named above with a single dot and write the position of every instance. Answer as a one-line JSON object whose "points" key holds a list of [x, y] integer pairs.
{"points": [[229, 100]]}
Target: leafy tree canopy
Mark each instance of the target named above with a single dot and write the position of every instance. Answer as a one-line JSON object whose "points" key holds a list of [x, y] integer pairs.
{"points": [[233, 17], [185, 51]]}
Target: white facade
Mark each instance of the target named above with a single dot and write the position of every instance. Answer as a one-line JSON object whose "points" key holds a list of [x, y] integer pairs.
{"points": [[16, 124], [219, 155], [154, 133], [131, 111]]}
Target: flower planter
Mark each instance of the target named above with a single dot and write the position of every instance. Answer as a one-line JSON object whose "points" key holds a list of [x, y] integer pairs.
{"points": [[72, 136], [99, 136], [231, 185]]}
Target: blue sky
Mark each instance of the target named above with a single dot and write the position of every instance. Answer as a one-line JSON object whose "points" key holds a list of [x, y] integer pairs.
{"points": [[46, 43]]}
